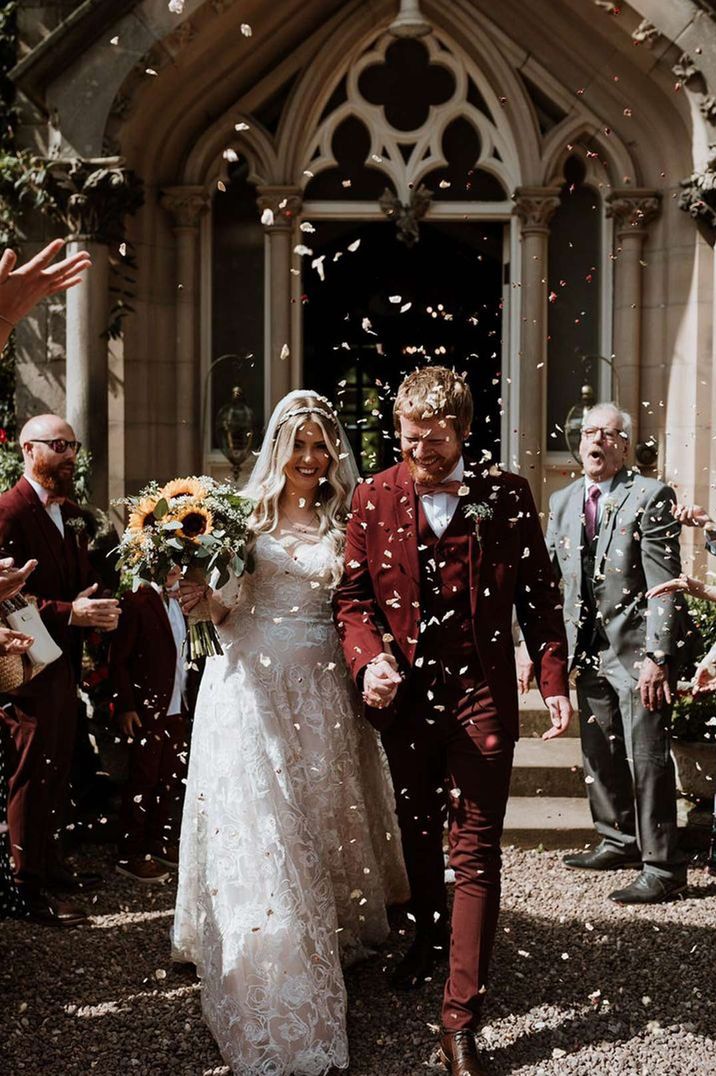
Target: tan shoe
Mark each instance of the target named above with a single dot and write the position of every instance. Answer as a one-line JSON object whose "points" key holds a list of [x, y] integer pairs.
{"points": [[142, 869]]}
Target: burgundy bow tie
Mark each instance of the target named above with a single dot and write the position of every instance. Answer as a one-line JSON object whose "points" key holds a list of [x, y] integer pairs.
{"points": [[452, 488]]}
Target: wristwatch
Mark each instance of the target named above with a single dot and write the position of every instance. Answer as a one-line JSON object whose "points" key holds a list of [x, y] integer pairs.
{"points": [[658, 659]]}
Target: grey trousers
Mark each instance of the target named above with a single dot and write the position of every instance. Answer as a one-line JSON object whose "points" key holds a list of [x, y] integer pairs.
{"points": [[630, 776]]}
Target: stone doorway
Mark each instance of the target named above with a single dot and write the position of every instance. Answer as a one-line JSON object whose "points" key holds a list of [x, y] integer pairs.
{"points": [[384, 308]]}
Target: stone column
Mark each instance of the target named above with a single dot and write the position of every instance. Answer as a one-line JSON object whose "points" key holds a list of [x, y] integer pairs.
{"points": [[534, 206], [93, 197], [633, 210], [280, 207], [186, 205], [86, 377]]}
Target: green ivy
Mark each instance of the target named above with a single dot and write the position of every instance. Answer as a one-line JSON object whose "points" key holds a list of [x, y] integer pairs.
{"points": [[694, 718]]}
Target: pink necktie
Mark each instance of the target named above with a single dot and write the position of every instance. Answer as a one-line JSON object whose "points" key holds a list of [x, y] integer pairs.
{"points": [[590, 512]]}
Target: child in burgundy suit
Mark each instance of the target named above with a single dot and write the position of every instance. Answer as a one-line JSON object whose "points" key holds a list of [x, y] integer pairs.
{"points": [[151, 691]]}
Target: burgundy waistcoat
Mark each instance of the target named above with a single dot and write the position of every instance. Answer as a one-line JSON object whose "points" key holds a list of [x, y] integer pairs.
{"points": [[445, 589]]}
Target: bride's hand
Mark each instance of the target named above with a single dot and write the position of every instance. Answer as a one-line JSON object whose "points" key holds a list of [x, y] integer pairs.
{"points": [[682, 582], [190, 594]]}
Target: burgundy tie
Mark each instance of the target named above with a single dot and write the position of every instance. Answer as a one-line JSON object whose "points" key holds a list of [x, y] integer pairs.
{"points": [[452, 488], [590, 512]]}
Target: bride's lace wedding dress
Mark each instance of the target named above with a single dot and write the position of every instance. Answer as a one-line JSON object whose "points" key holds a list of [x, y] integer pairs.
{"points": [[289, 845]]}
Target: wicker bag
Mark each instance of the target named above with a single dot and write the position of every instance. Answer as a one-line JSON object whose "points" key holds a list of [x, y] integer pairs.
{"points": [[18, 669]]}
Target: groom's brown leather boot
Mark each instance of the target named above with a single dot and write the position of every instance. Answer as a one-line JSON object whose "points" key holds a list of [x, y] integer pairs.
{"points": [[458, 1053]]}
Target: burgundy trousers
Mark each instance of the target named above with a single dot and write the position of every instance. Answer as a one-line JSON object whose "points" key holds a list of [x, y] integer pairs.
{"points": [[450, 756], [153, 795], [40, 726]]}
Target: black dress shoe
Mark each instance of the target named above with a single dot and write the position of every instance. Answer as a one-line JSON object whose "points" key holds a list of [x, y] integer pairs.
{"points": [[429, 948], [49, 911], [65, 881], [650, 889], [602, 859], [458, 1053]]}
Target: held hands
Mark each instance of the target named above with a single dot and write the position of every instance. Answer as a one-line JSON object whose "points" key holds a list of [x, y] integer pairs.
{"points": [[380, 681], [654, 684], [89, 612], [130, 723], [525, 668], [13, 579], [560, 712], [14, 642], [686, 584]]}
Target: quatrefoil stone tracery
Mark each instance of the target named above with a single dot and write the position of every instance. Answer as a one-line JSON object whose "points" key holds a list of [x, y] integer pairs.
{"points": [[406, 157]]}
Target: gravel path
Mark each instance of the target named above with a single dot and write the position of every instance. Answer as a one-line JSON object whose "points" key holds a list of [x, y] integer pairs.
{"points": [[579, 986]]}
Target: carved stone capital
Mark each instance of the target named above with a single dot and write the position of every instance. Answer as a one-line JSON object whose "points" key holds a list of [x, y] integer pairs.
{"points": [[698, 193], [92, 196], [186, 204], [535, 207], [633, 209], [279, 206]]}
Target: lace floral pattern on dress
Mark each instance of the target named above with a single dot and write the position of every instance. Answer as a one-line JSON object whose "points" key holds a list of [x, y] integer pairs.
{"points": [[290, 847]]}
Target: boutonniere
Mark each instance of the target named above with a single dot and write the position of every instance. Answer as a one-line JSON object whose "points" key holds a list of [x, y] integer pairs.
{"points": [[78, 524], [480, 513], [609, 509]]}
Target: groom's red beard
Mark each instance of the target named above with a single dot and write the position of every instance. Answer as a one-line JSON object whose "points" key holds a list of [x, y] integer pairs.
{"points": [[435, 472], [57, 479]]}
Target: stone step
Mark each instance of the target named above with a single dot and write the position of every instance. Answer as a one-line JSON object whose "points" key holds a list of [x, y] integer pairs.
{"points": [[549, 822], [534, 718], [548, 768]]}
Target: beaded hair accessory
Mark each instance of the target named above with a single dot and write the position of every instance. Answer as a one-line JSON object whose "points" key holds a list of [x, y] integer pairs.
{"points": [[307, 411]]}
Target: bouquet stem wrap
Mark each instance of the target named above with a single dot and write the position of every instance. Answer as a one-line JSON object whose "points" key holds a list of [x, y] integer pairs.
{"points": [[202, 636]]}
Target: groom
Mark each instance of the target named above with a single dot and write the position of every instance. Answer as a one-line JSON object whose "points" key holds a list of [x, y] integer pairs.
{"points": [[438, 552]]}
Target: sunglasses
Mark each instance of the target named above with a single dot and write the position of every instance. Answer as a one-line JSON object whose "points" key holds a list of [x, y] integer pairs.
{"points": [[58, 444]]}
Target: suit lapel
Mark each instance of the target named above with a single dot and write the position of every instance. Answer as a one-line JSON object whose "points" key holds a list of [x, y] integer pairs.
{"points": [[479, 493], [406, 520], [52, 535], [160, 613], [621, 488], [574, 521]]}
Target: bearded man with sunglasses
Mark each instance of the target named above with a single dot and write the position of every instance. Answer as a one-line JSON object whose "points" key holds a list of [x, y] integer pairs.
{"points": [[39, 521], [612, 536]]}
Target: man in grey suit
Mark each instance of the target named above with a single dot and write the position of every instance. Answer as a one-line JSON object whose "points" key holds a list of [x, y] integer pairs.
{"points": [[612, 535]]}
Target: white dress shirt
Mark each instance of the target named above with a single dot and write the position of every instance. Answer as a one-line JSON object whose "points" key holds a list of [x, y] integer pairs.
{"points": [[53, 510], [605, 487], [178, 625], [439, 508]]}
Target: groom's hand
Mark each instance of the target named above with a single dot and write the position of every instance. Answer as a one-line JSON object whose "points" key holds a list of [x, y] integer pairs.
{"points": [[560, 712], [380, 681]]}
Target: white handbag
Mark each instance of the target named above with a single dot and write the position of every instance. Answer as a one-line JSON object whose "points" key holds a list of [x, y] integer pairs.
{"points": [[44, 649]]}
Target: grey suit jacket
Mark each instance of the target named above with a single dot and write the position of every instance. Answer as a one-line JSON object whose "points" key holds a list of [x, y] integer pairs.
{"points": [[637, 547]]}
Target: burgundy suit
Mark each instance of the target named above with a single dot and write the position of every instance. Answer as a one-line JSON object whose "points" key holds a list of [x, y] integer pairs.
{"points": [[444, 607], [41, 717], [142, 665]]}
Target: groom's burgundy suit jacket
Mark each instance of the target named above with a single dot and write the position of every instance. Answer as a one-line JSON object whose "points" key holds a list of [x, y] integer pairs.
{"points": [[377, 605]]}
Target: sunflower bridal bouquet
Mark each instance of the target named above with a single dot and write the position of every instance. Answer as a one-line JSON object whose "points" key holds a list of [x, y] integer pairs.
{"points": [[197, 523]]}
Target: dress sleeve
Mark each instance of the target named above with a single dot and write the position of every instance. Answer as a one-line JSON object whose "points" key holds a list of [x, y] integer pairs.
{"points": [[230, 594]]}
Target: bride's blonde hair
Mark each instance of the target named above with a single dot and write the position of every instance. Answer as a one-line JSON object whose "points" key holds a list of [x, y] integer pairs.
{"points": [[333, 496]]}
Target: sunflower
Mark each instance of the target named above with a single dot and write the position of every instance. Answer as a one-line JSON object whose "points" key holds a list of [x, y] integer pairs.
{"points": [[142, 515], [184, 487], [195, 521]]}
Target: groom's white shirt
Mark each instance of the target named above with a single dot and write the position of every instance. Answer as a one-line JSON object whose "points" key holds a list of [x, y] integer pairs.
{"points": [[439, 508]]}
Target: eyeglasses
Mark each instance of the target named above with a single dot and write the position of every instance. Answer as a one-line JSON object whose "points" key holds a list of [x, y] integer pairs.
{"points": [[609, 433], [58, 444]]}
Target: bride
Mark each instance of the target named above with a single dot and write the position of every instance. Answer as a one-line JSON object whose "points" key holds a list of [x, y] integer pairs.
{"points": [[289, 843]]}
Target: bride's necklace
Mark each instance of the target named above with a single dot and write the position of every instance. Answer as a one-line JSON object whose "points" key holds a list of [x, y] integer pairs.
{"points": [[304, 528]]}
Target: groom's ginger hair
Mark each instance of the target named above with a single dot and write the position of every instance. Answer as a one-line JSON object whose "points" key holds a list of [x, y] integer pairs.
{"points": [[434, 392]]}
